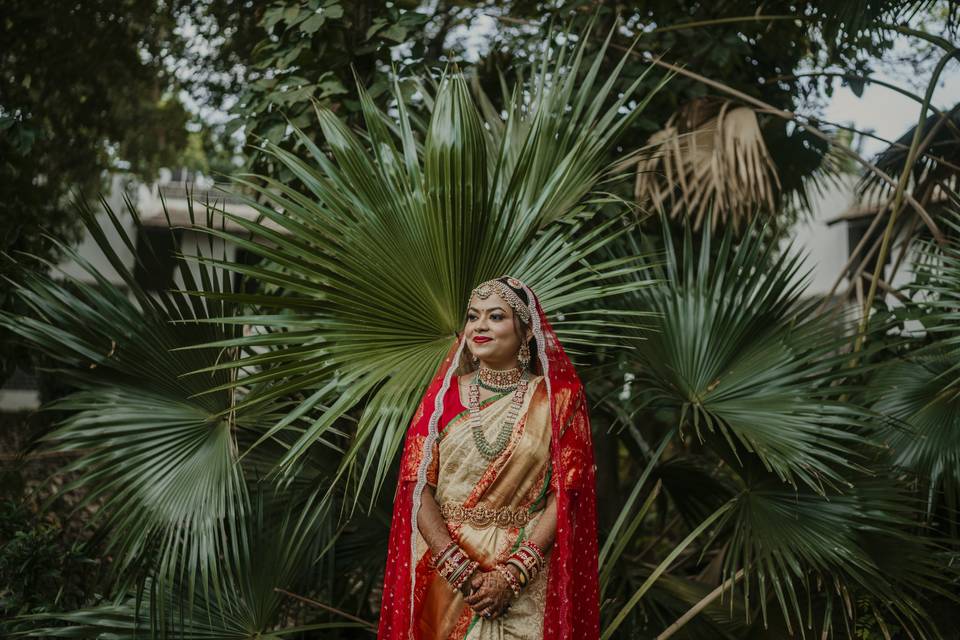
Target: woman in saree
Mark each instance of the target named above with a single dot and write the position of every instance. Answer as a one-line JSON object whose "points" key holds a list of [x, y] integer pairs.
{"points": [[493, 534]]}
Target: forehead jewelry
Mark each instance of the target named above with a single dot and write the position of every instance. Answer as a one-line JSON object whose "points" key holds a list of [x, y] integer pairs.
{"points": [[509, 296]]}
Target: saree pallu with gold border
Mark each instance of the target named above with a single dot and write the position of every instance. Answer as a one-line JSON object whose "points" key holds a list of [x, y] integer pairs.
{"points": [[489, 506]]}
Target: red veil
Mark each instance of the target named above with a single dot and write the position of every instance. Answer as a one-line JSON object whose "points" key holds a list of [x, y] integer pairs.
{"points": [[572, 604]]}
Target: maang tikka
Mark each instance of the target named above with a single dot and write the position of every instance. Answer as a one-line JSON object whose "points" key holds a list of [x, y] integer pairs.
{"points": [[486, 289]]}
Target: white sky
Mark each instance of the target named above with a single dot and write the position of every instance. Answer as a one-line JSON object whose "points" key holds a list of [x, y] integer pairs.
{"points": [[887, 113]]}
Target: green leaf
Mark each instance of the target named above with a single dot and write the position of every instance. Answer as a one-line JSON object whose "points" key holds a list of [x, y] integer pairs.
{"points": [[395, 32], [331, 86], [661, 568], [271, 17], [293, 15], [312, 24], [378, 23], [334, 10], [147, 441]]}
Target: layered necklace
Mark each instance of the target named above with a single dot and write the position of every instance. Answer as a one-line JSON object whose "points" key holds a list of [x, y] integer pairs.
{"points": [[515, 380]]}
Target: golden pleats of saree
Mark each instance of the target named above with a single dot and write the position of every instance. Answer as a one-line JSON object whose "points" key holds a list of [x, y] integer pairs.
{"points": [[518, 479]]}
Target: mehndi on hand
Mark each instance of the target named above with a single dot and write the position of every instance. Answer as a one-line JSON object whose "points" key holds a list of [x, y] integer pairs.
{"points": [[491, 595]]}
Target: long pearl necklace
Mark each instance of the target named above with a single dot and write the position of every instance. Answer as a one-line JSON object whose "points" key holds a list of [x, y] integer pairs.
{"points": [[487, 450]]}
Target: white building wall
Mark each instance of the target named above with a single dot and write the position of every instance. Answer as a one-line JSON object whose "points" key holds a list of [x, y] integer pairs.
{"points": [[88, 248], [825, 245]]}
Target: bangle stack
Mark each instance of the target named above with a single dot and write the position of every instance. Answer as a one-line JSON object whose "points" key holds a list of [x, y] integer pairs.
{"points": [[454, 565], [512, 580], [528, 559], [435, 560]]}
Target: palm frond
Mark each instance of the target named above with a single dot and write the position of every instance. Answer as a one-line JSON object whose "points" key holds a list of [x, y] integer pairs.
{"points": [[277, 540], [796, 545], [742, 360], [717, 165], [736, 352], [390, 234], [160, 457], [919, 391]]}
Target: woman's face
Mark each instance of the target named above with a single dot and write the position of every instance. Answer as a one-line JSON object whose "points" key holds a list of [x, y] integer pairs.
{"points": [[491, 332]]}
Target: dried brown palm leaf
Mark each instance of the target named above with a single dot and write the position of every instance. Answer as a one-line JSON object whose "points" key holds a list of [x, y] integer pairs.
{"points": [[711, 160]]}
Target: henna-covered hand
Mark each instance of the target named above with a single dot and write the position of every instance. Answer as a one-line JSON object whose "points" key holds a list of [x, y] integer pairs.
{"points": [[467, 587], [491, 595]]}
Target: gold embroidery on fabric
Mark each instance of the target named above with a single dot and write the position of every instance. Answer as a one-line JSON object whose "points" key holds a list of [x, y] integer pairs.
{"points": [[483, 517], [411, 465]]}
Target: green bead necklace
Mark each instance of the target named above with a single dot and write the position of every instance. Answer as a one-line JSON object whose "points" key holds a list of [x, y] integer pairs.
{"points": [[487, 450]]}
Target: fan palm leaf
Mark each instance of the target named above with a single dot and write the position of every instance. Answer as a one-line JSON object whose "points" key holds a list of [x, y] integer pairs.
{"points": [[737, 352], [924, 413], [749, 366], [718, 166], [919, 390], [158, 456], [390, 234], [800, 545]]}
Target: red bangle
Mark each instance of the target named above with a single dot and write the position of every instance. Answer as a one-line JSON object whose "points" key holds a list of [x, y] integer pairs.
{"points": [[524, 576], [511, 579], [535, 548], [435, 560], [450, 565], [466, 573]]}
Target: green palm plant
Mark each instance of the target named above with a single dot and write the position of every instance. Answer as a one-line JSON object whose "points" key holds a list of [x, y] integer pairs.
{"points": [[158, 457], [918, 389], [377, 255], [742, 356], [179, 414], [157, 454], [757, 380]]}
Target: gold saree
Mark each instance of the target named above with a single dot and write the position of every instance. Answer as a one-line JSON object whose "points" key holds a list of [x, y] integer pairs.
{"points": [[489, 508]]}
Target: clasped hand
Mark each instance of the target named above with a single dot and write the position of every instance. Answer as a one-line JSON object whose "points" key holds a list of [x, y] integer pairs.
{"points": [[489, 594]]}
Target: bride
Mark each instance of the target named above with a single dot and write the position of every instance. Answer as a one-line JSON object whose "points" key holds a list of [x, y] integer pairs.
{"points": [[494, 526]]}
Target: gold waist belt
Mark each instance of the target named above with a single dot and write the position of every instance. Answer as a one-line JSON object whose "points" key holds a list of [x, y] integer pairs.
{"points": [[484, 516]]}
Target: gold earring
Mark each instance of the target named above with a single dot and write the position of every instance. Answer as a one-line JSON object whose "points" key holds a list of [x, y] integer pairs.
{"points": [[475, 359], [523, 357]]}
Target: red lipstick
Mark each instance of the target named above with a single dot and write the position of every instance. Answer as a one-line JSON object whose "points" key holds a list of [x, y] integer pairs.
{"points": [[481, 339]]}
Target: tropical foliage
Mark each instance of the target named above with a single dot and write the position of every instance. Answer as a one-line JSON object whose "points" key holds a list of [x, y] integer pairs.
{"points": [[239, 71], [759, 388], [363, 278], [785, 474], [373, 262]]}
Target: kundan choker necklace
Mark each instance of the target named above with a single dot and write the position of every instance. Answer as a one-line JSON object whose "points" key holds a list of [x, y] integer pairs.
{"points": [[498, 380], [487, 450]]}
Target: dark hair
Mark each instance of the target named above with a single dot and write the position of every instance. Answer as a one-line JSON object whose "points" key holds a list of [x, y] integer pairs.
{"points": [[466, 365]]}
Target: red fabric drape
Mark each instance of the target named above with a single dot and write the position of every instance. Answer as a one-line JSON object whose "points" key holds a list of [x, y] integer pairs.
{"points": [[572, 607]]}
